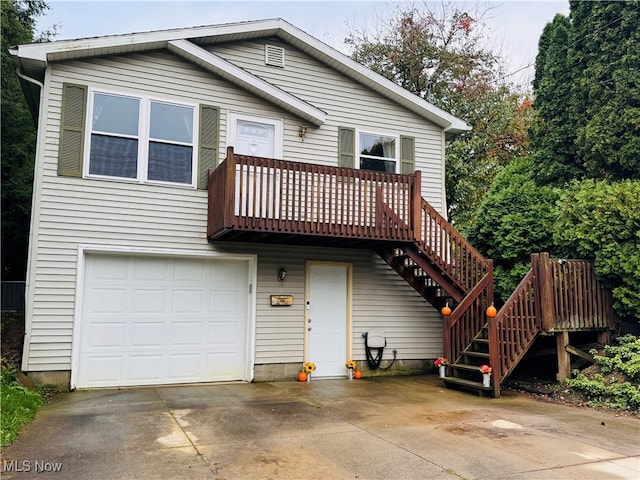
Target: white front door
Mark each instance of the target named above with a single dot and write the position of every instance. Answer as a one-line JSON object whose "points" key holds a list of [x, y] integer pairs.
{"points": [[255, 136], [327, 319]]}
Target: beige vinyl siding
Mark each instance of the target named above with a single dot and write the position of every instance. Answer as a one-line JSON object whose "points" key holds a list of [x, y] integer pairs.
{"points": [[381, 301], [73, 211], [347, 104]]}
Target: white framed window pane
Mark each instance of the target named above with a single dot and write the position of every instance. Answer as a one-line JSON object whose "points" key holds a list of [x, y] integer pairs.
{"points": [[255, 139], [377, 146], [113, 156], [114, 114], [170, 163], [378, 165], [171, 122]]}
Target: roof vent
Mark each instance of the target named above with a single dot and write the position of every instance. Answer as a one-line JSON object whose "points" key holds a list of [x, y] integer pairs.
{"points": [[274, 56]]}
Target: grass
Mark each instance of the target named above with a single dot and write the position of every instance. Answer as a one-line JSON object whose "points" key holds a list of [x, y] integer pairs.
{"points": [[18, 405]]}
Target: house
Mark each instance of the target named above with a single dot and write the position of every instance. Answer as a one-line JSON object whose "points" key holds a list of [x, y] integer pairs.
{"points": [[227, 202]]}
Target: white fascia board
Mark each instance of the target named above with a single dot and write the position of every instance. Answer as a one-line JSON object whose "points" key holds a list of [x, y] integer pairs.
{"points": [[246, 80], [43, 51]]}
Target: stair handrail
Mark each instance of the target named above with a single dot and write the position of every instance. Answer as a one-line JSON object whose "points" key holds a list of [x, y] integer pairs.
{"points": [[445, 246]]}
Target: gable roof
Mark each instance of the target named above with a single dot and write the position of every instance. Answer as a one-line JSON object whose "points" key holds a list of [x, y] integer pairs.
{"points": [[187, 42]]}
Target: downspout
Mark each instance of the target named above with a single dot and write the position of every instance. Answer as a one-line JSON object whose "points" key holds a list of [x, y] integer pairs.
{"points": [[29, 274]]}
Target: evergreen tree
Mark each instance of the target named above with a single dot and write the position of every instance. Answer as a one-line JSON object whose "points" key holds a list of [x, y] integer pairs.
{"points": [[606, 59], [587, 89]]}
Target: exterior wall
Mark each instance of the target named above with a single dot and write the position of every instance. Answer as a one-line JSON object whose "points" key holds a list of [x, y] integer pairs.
{"points": [[347, 104], [72, 211]]}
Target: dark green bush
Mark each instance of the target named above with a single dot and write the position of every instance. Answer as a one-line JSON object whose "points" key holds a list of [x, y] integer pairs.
{"points": [[600, 221], [617, 385]]}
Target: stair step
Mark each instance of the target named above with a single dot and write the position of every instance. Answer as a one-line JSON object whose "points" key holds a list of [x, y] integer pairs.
{"points": [[466, 367], [468, 384], [481, 340], [471, 353]]}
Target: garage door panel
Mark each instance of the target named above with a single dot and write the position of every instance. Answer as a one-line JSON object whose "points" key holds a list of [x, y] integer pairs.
{"points": [[107, 335], [110, 368], [223, 334], [188, 301], [154, 320], [109, 268], [183, 365], [147, 334], [149, 301], [190, 270], [186, 333], [145, 368], [150, 269], [108, 300], [223, 301]]}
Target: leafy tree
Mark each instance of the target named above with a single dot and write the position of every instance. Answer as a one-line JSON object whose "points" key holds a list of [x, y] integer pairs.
{"points": [[600, 221], [439, 56], [587, 89], [515, 219], [18, 139]]}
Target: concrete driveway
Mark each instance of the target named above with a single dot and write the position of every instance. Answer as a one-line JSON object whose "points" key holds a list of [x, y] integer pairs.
{"points": [[384, 428]]}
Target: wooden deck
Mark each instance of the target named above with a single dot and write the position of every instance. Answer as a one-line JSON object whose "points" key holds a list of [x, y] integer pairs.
{"points": [[268, 200]]}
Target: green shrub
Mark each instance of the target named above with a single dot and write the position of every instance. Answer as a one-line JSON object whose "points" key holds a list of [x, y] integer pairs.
{"points": [[617, 385], [514, 220], [600, 221], [18, 405]]}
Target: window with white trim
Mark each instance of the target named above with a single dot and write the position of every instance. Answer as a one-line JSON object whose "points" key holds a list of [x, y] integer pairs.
{"points": [[378, 152], [141, 139]]}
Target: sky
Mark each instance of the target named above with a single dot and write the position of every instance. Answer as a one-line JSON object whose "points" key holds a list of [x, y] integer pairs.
{"points": [[514, 25]]}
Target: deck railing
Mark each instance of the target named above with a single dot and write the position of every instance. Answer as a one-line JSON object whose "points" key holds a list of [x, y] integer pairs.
{"points": [[556, 295], [515, 327], [278, 196], [450, 250]]}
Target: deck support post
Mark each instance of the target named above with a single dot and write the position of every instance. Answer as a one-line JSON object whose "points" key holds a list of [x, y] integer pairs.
{"points": [[604, 337], [545, 298], [564, 359]]}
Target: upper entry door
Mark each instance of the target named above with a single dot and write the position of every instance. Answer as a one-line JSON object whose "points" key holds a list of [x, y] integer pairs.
{"points": [[327, 320], [256, 136]]}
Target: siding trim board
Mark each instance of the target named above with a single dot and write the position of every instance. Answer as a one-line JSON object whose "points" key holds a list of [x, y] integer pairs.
{"points": [[83, 250]]}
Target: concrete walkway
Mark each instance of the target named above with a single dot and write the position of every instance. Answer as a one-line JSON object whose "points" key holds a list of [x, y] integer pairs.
{"points": [[385, 428]]}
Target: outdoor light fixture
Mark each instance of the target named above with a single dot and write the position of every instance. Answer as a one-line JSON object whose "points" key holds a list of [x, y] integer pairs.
{"points": [[302, 131], [282, 274]]}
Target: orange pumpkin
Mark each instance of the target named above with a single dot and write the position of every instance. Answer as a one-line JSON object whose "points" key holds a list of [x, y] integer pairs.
{"points": [[302, 377], [491, 311], [446, 311], [357, 374]]}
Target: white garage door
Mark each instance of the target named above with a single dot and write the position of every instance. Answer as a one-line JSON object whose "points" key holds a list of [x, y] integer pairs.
{"points": [[156, 320]]}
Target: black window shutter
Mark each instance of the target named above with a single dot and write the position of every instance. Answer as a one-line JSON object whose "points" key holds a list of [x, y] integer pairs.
{"points": [[208, 143], [72, 122], [346, 147]]}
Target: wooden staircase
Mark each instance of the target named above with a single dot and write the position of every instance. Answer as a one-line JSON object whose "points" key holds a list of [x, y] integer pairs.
{"points": [[555, 296], [444, 268], [286, 202], [465, 372]]}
